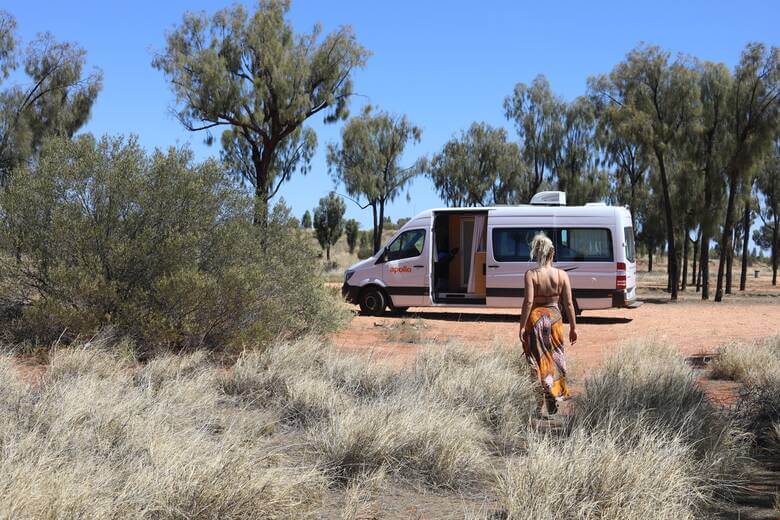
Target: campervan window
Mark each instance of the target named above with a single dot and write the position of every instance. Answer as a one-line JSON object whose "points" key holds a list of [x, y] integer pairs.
{"points": [[514, 244], [408, 245], [584, 245], [630, 247], [571, 244]]}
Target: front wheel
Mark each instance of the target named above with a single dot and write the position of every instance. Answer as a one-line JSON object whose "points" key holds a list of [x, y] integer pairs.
{"points": [[372, 302]]}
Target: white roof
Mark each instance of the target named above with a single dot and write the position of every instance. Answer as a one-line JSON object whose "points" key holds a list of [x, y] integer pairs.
{"points": [[529, 210]]}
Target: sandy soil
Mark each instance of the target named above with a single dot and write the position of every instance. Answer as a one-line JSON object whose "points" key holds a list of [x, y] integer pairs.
{"points": [[695, 327]]}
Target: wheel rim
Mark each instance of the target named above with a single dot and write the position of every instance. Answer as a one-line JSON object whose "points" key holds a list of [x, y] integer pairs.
{"points": [[371, 302]]}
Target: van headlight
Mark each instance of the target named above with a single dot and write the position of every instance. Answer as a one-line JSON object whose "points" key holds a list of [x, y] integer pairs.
{"points": [[347, 275]]}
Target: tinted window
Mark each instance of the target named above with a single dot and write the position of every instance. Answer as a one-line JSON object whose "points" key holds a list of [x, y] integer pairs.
{"points": [[407, 245], [514, 244], [630, 247], [583, 245]]}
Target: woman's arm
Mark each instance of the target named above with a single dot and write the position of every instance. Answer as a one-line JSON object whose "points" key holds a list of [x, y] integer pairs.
{"points": [[568, 303], [528, 299]]}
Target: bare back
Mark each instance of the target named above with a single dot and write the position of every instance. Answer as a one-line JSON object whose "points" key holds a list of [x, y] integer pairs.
{"points": [[548, 285]]}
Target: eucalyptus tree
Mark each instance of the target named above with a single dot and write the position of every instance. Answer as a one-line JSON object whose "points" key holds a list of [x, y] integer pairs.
{"points": [[753, 118], [56, 100], [574, 163], [250, 74], [629, 161], [653, 99], [329, 221], [708, 148], [368, 161], [537, 114], [480, 167], [768, 188], [352, 229]]}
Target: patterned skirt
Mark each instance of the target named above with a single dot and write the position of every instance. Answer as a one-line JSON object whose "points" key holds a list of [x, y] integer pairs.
{"points": [[544, 349]]}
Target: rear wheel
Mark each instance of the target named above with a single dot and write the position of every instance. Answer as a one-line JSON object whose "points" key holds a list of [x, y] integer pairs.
{"points": [[399, 310], [372, 301]]}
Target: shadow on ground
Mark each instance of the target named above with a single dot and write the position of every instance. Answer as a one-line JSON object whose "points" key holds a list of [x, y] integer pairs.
{"points": [[498, 317]]}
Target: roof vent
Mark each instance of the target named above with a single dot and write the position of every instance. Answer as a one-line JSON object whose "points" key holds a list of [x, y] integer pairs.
{"points": [[549, 198]]}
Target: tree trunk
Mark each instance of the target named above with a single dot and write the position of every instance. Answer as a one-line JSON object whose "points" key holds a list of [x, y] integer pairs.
{"points": [[684, 283], [725, 238], [698, 274], [775, 248], [375, 236], [730, 262], [694, 271], [672, 253], [380, 226], [704, 262], [745, 235], [649, 257], [327, 253]]}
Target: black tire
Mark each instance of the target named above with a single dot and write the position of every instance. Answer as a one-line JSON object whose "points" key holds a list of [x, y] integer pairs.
{"points": [[399, 310], [372, 301]]}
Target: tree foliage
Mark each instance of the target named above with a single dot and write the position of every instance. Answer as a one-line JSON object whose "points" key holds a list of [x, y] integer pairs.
{"points": [[368, 161], [56, 100], [480, 167], [537, 113], [306, 222], [329, 221], [251, 74], [352, 228]]}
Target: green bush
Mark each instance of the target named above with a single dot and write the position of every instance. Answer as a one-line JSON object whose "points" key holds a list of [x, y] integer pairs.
{"points": [[162, 249]]}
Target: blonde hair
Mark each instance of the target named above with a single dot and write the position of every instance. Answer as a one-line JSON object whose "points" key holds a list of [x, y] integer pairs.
{"points": [[542, 249]]}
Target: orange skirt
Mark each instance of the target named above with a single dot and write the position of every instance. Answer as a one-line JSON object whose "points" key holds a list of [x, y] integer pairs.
{"points": [[544, 349]]}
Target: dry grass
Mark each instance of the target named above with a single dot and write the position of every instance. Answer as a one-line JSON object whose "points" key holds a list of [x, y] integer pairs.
{"points": [[609, 472], [649, 383], [408, 435], [93, 441], [288, 430], [748, 362]]}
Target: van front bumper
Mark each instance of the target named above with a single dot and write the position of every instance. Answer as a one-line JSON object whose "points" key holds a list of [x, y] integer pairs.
{"points": [[350, 293]]}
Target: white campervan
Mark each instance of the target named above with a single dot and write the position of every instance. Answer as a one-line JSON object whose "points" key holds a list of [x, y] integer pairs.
{"points": [[477, 257]]}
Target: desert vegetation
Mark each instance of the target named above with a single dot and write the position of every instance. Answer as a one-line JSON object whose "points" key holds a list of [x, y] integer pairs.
{"points": [[303, 430]]}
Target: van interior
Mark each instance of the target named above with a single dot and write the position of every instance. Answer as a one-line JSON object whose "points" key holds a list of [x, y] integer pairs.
{"points": [[460, 240]]}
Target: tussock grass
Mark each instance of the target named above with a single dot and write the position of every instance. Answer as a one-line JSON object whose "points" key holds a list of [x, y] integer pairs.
{"points": [[92, 440], [493, 386], [600, 473], [649, 383], [410, 436], [757, 366], [298, 426], [748, 362]]}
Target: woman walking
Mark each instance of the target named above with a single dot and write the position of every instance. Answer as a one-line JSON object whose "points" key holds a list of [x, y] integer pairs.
{"points": [[541, 325]]}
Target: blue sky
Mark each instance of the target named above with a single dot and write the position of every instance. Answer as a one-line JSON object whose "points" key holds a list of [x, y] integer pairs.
{"points": [[444, 64]]}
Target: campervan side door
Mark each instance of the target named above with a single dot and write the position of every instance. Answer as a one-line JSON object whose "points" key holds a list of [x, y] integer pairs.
{"points": [[406, 262]]}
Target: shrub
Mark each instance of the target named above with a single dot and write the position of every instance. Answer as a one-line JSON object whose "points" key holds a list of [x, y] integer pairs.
{"points": [[611, 472], [162, 249]]}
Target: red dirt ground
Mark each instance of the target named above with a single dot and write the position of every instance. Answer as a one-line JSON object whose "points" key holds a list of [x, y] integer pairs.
{"points": [[695, 327]]}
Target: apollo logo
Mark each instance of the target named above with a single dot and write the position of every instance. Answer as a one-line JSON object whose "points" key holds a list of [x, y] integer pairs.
{"points": [[403, 269]]}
